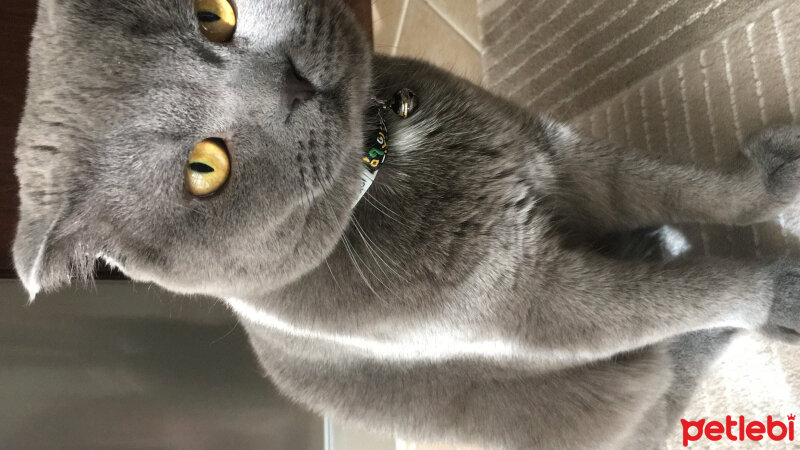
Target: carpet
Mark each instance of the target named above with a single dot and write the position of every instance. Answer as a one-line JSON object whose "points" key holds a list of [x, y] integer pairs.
{"points": [[689, 78]]}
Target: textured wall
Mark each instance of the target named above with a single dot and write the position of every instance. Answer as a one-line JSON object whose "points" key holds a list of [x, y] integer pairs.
{"points": [[566, 56]]}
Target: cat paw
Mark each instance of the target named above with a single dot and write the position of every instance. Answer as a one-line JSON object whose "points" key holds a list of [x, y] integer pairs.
{"points": [[783, 322], [776, 152]]}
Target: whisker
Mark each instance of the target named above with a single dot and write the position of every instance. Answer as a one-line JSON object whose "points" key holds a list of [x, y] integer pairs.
{"points": [[348, 246], [371, 244], [379, 261], [369, 250], [335, 281], [393, 218]]}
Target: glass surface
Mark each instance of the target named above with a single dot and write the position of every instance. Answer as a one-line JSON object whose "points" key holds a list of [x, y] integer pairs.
{"points": [[124, 365]]}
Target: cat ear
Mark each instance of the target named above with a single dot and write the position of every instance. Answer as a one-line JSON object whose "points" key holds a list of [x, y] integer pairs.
{"points": [[39, 259], [51, 246], [34, 231]]}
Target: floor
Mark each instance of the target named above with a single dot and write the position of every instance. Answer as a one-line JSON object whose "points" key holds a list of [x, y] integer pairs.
{"points": [[444, 32]]}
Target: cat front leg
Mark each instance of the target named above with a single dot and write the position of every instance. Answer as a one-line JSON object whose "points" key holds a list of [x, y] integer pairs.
{"points": [[605, 188], [592, 307]]}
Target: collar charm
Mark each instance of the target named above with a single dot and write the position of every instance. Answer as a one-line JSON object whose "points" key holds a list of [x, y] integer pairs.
{"points": [[374, 156], [404, 104], [377, 148]]}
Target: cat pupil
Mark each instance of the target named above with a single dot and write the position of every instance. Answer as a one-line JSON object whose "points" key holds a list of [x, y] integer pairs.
{"points": [[200, 167], [207, 16]]}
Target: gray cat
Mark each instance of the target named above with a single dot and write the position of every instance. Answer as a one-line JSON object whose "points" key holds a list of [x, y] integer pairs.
{"points": [[464, 298]]}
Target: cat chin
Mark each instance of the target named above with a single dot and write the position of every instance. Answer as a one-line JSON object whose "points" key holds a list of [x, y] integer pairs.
{"points": [[144, 276]]}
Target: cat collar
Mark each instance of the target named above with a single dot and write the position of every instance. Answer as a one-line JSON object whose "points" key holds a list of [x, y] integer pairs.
{"points": [[403, 104], [373, 158]]}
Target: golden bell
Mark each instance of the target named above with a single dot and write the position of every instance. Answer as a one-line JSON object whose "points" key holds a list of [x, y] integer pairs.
{"points": [[404, 103]]}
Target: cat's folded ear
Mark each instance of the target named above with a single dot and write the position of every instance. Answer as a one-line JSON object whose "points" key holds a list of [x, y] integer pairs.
{"points": [[40, 257], [42, 253], [51, 246], [30, 250]]}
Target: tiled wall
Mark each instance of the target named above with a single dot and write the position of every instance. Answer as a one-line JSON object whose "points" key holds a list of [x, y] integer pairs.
{"points": [[444, 32]]}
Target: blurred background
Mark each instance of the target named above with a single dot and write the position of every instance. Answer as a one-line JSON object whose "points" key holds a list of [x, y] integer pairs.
{"points": [[123, 365]]}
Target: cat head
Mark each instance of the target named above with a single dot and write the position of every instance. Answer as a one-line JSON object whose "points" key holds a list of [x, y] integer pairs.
{"points": [[121, 93]]}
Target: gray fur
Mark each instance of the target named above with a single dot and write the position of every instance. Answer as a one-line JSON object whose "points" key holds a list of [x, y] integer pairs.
{"points": [[463, 299]]}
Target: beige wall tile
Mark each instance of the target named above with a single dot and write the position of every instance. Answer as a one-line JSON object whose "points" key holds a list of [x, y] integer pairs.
{"points": [[463, 15], [441, 447], [428, 36], [386, 18]]}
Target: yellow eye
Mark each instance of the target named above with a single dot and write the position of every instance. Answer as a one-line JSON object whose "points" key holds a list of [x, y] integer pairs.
{"points": [[208, 168], [217, 19]]}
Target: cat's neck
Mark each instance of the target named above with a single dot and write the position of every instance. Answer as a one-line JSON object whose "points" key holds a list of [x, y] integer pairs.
{"points": [[425, 222]]}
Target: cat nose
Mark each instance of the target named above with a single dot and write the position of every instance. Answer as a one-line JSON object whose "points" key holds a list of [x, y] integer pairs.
{"points": [[297, 89]]}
